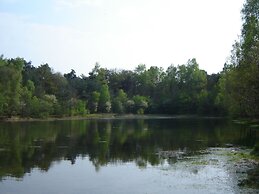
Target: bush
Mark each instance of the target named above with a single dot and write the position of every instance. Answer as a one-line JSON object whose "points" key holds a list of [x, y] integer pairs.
{"points": [[77, 107]]}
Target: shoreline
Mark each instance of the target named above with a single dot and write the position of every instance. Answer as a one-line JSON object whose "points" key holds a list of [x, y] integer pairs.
{"points": [[66, 118], [109, 116]]}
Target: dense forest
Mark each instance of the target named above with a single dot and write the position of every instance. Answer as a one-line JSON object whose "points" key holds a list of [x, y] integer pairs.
{"points": [[40, 92]]}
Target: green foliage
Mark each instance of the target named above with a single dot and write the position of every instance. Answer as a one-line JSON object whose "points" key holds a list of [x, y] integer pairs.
{"points": [[2, 104], [104, 101], [10, 85], [40, 92], [250, 31], [119, 102], [239, 82], [30, 86], [77, 107], [122, 96], [29, 91], [141, 103], [94, 101], [130, 104], [256, 150], [40, 108], [26, 99]]}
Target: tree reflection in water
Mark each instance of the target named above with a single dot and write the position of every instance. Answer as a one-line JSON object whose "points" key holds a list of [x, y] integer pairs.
{"points": [[27, 145]]}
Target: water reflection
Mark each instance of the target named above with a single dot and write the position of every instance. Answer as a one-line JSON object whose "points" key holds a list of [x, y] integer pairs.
{"points": [[25, 146]]}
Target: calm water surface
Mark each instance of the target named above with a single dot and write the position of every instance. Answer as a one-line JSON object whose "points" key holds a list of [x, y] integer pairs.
{"points": [[163, 155]]}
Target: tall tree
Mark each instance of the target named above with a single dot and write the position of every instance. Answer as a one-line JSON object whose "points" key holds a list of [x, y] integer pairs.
{"points": [[119, 102], [239, 83], [104, 101], [94, 100], [10, 85]]}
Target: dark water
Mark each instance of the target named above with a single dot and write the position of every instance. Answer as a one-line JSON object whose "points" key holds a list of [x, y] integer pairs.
{"points": [[117, 156]]}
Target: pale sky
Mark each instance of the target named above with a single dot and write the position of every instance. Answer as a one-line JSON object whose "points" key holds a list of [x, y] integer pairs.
{"points": [[75, 34]]}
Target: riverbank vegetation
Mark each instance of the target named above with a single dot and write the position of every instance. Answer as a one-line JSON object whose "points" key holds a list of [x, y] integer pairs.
{"points": [[40, 92], [29, 91]]}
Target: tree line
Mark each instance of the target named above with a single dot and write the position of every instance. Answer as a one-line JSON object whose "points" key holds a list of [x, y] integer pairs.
{"points": [[29, 91]]}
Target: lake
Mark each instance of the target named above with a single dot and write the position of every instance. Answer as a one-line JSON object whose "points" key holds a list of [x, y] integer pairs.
{"points": [[100, 156]]}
